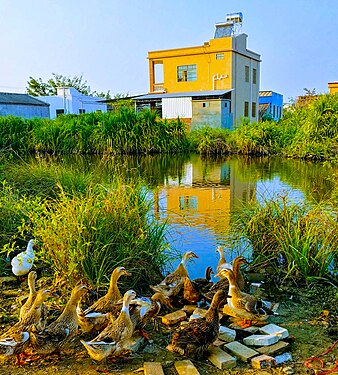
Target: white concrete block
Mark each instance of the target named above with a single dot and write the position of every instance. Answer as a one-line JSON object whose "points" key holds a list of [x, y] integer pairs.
{"points": [[260, 340], [226, 334], [273, 329], [240, 351], [221, 359]]}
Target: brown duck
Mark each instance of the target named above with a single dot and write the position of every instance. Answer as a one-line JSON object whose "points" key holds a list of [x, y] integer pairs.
{"points": [[15, 340], [96, 317], [54, 338], [246, 306], [106, 303], [194, 339], [193, 289], [223, 283], [172, 284], [110, 340], [32, 294]]}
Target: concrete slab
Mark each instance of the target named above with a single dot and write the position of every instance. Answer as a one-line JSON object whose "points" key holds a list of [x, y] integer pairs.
{"points": [[263, 361], [174, 317], [186, 367], [273, 329], [260, 340], [274, 349], [226, 334], [221, 359], [152, 368], [240, 351]]}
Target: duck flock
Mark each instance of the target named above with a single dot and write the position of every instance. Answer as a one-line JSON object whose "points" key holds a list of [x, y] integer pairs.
{"points": [[113, 319]]}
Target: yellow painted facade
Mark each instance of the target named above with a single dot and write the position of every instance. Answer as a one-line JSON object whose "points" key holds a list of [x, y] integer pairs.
{"points": [[183, 203], [333, 88], [204, 202], [220, 64], [207, 66]]}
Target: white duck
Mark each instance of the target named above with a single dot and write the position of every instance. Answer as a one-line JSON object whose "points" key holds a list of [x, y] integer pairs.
{"points": [[23, 262]]}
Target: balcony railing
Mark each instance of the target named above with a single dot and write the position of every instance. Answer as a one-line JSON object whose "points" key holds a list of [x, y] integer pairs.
{"points": [[158, 87]]}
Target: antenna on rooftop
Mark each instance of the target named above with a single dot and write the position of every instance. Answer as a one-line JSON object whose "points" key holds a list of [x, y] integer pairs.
{"points": [[231, 27]]}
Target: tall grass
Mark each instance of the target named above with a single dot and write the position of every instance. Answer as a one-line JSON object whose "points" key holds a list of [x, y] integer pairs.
{"points": [[85, 236], [84, 226], [260, 138], [298, 239], [207, 140], [317, 132], [122, 132]]}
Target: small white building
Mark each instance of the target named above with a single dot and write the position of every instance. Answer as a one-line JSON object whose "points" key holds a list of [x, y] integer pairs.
{"points": [[69, 101]]}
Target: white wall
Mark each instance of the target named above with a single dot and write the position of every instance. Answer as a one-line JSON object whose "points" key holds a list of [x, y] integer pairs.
{"points": [[71, 101], [177, 107], [244, 91]]}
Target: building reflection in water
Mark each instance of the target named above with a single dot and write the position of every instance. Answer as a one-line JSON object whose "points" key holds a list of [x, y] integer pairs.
{"points": [[198, 209]]}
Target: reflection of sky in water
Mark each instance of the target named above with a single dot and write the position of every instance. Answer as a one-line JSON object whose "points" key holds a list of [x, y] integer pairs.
{"points": [[269, 189]]}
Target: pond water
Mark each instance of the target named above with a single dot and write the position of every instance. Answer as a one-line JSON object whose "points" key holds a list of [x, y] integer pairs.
{"points": [[197, 196]]}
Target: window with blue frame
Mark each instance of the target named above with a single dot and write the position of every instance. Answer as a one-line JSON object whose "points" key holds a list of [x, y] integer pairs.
{"points": [[188, 202], [186, 73]]}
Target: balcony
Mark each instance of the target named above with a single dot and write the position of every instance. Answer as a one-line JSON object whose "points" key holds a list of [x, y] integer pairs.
{"points": [[158, 87]]}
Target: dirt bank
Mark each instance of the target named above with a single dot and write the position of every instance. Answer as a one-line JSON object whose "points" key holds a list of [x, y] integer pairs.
{"points": [[310, 315]]}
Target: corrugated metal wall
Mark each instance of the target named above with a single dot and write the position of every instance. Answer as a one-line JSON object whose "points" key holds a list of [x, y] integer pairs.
{"points": [[177, 107]]}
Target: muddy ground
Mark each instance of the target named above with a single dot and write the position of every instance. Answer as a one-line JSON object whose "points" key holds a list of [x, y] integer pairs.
{"points": [[310, 315]]}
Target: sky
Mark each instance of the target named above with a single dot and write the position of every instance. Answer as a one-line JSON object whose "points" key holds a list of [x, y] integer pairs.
{"points": [[107, 41]]}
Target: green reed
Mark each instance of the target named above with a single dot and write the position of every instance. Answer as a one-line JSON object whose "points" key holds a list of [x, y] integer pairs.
{"points": [[86, 222], [317, 134], [207, 140], [85, 236], [122, 132], [298, 240]]}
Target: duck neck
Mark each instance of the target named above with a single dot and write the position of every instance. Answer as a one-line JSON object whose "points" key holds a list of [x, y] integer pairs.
{"points": [[221, 255], [113, 290], [29, 249], [125, 309], [181, 269], [212, 314], [208, 274], [32, 291], [233, 287], [238, 274], [69, 312]]}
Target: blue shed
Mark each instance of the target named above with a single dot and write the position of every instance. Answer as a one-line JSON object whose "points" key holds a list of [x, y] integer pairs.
{"points": [[22, 105], [270, 105]]}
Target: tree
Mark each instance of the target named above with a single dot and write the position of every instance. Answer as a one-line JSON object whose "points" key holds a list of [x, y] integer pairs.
{"points": [[36, 87], [309, 92]]}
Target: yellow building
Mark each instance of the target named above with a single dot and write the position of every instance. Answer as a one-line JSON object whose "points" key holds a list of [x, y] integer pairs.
{"points": [[333, 88], [222, 68]]}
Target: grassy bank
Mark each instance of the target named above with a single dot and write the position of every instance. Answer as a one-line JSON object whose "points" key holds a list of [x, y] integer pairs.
{"points": [[309, 132], [84, 228], [296, 241]]}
